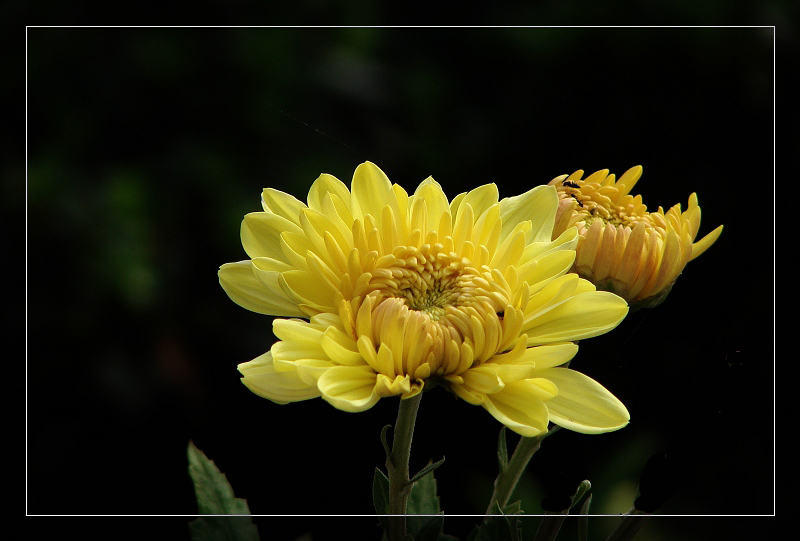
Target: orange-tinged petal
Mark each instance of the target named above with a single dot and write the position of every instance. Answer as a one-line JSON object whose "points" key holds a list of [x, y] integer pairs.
{"points": [[624, 248]]}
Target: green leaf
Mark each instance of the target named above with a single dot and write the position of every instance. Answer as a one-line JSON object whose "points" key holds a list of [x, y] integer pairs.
{"points": [[380, 492], [423, 499], [215, 497], [426, 470], [380, 497]]}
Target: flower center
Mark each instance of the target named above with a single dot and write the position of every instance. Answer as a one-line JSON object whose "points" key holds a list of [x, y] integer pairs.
{"points": [[428, 290], [434, 311]]}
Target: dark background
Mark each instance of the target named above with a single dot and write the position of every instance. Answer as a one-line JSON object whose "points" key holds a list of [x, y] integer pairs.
{"points": [[146, 146]]}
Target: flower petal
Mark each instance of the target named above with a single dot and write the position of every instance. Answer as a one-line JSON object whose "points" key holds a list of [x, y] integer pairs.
{"points": [[371, 191], [310, 289], [581, 316], [349, 388], [519, 407], [436, 202], [480, 199], [545, 356], [538, 205], [242, 284], [281, 203], [483, 379], [324, 185], [341, 348], [582, 404], [260, 234], [259, 376], [703, 244]]}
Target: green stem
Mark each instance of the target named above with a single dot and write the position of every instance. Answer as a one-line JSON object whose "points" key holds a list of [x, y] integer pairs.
{"points": [[509, 476], [397, 466]]}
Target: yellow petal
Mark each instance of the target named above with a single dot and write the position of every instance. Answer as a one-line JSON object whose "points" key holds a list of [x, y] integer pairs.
{"points": [[281, 203], [703, 244], [629, 179], [581, 316], [260, 234], [243, 286], [310, 370], [539, 272], [311, 289], [341, 348], [480, 199], [324, 185], [582, 404], [538, 205], [519, 408], [483, 379], [546, 356], [259, 376], [436, 202], [371, 190], [385, 386], [349, 388]]}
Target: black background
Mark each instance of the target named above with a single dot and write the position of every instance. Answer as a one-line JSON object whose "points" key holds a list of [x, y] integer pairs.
{"points": [[146, 146]]}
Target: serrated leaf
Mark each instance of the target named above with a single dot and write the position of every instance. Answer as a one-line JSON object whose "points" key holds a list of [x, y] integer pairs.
{"points": [[214, 493], [423, 499], [215, 497], [426, 470]]}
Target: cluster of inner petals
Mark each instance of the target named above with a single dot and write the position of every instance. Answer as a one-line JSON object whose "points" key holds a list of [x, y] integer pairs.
{"points": [[426, 312], [591, 202]]}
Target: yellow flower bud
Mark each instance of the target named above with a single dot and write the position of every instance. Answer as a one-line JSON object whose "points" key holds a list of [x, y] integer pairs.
{"points": [[622, 247]]}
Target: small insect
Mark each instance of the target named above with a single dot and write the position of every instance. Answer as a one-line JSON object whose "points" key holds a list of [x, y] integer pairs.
{"points": [[576, 199], [570, 184], [501, 314]]}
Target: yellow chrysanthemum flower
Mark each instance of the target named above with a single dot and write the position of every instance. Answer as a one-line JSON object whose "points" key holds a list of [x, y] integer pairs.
{"points": [[623, 248], [400, 289]]}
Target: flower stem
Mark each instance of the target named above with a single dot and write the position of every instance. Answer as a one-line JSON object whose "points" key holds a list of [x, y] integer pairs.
{"points": [[397, 466], [509, 476]]}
